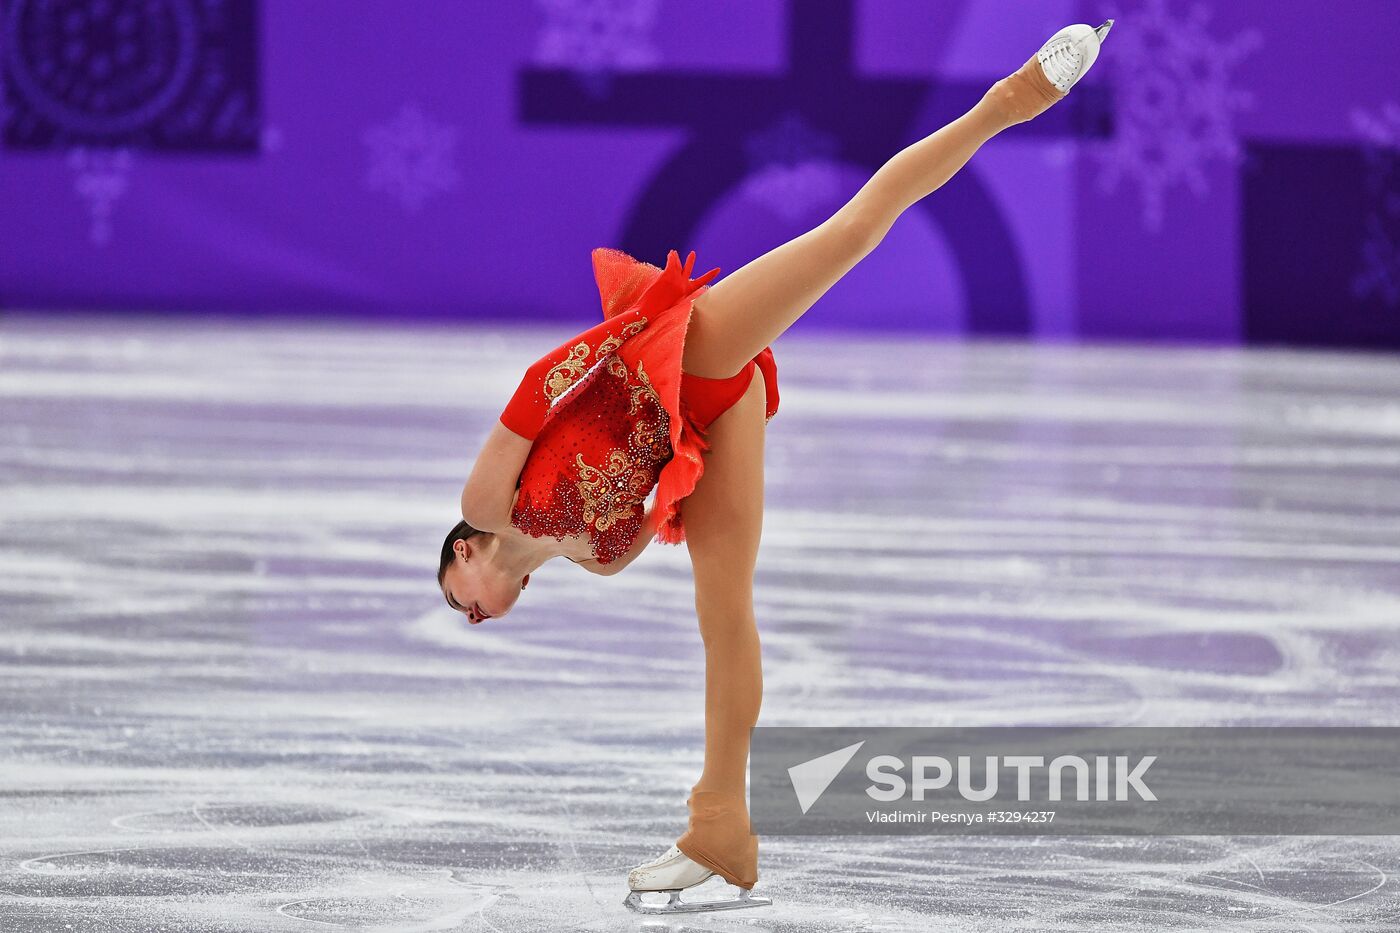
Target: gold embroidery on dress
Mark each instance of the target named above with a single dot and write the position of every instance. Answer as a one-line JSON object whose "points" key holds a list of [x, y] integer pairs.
{"points": [[615, 341], [618, 368], [559, 379], [653, 437], [646, 435], [610, 493], [640, 389], [607, 346], [643, 390]]}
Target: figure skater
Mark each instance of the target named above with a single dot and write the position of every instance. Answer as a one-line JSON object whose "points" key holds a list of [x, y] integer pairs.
{"points": [[672, 393]]}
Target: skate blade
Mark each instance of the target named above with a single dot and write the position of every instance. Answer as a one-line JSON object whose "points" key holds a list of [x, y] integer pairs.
{"points": [[674, 905]]}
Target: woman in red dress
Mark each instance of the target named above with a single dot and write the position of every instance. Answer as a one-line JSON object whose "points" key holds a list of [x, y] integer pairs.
{"points": [[672, 393]]}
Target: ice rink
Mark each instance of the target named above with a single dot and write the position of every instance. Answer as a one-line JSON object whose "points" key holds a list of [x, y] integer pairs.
{"points": [[234, 700]]}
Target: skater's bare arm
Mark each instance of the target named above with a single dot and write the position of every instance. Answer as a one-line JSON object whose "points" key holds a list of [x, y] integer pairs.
{"points": [[490, 490]]}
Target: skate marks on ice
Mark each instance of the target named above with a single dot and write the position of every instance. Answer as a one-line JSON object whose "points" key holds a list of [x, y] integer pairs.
{"points": [[234, 701]]}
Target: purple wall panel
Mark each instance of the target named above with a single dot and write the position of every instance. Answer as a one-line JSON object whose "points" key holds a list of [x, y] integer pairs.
{"points": [[449, 159]]}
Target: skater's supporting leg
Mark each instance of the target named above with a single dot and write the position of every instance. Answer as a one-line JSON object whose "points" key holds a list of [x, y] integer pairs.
{"points": [[723, 523], [746, 310]]}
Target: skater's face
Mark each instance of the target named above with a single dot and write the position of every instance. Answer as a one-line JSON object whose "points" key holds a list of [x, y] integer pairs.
{"points": [[475, 588]]}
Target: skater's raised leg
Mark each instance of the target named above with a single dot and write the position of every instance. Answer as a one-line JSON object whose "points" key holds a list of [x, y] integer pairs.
{"points": [[748, 309]]}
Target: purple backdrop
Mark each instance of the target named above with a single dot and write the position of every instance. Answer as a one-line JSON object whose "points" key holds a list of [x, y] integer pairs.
{"points": [[1230, 172]]}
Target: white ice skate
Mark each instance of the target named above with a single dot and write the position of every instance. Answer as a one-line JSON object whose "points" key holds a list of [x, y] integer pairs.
{"points": [[672, 873], [1070, 53]]}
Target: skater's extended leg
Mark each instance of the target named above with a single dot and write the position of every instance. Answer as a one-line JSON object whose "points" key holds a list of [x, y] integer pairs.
{"points": [[723, 522], [746, 310]]}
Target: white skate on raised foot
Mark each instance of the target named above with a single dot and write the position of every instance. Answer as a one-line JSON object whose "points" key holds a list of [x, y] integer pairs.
{"points": [[671, 874], [1070, 53]]}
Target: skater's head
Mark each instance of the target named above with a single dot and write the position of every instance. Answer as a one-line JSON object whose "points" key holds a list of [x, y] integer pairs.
{"points": [[470, 581]]}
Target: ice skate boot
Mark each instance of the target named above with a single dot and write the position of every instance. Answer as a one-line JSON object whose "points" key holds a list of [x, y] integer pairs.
{"points": [[1070, 53], [1047, 76], [671, 874]]}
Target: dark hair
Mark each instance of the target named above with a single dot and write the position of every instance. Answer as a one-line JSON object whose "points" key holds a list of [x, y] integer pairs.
{"points": [[461, 532]]}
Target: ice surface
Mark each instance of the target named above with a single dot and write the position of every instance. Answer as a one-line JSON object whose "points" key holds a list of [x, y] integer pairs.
{"points": [[234, 700]]}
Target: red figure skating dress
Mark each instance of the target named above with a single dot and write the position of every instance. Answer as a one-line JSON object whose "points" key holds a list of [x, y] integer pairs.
{"points": [[612, 416]]}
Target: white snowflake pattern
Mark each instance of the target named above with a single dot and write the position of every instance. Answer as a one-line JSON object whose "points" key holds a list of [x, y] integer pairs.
{"points": [[1175, 102], [100, 178], [1380, 250], [412, 157], [597, 35], [792, 168]]}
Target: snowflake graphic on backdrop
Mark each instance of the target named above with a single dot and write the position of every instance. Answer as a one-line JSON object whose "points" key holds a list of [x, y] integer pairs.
{"points": [[412, 157], [1175, 103], [792, 168], [100, 179], [1380, 248], [594, 37]]}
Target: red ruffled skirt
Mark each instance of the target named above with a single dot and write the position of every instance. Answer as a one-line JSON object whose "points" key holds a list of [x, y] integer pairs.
{"points": [[698, 400]]}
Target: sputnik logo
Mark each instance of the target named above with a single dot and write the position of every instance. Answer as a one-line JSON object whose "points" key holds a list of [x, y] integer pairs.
{"points": [[811, 778]]}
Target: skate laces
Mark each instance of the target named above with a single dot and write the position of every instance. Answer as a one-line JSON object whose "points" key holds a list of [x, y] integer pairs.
{"points": [[662, 859], [1061, 62]]}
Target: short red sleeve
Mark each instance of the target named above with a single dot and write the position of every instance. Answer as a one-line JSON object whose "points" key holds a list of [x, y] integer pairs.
{"points": [[550, 375]]}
